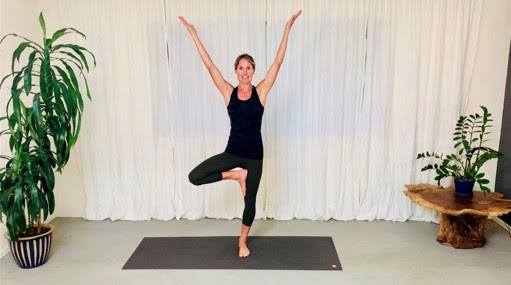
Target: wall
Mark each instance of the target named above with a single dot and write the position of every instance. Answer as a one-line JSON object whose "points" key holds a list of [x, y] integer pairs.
{"points": [[489, 78], [20, 17], [503, 179]]}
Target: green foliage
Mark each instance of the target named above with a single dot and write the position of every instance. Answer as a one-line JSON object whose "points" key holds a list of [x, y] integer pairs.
{"points": [[470, 154], [40, 135]]}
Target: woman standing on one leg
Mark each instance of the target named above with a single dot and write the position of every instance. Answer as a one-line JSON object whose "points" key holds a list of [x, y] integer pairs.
{"points": [[245, 105]]}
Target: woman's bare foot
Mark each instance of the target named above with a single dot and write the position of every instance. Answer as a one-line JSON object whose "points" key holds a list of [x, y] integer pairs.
{"points": [[242, 179], [244, 251], [238, 175]]}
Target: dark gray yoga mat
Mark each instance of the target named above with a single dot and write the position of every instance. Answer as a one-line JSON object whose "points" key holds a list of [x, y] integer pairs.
{"points": [[221, 252]]}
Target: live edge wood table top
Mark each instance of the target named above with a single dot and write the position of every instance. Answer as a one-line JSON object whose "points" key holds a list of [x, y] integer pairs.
{"points": [[463, 218]]}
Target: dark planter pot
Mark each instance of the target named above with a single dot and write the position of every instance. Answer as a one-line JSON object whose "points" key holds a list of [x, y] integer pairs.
{"points": [[463, 187], [33, 251]]}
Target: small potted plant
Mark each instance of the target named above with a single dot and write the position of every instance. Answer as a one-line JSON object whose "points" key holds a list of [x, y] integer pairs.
{"points": [[43, 118], [471, 154]]}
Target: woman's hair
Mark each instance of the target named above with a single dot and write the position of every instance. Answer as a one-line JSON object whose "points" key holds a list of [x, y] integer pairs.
{"points": [[245, 56]]}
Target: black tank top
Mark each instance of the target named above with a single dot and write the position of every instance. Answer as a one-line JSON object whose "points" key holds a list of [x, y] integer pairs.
{"points": [[246, 115]]}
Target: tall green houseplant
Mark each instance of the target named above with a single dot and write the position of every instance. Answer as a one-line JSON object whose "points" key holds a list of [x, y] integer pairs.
{"points": [[470, 152], [43, 118]]}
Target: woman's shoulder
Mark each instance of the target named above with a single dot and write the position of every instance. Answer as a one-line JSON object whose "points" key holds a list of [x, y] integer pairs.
{"points": [[259, 87], [229, 87], [230, 91]]}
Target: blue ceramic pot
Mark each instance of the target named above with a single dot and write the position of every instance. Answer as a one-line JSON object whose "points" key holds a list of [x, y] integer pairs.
{"points": [[463, 187], [33, 251]]}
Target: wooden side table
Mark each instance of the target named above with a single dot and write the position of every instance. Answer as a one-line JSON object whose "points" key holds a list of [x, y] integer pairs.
{"points": [[463, 218]]}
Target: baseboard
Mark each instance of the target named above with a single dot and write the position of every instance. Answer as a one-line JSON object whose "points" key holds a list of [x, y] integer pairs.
{"points": [[4, 251], [501, 223]]}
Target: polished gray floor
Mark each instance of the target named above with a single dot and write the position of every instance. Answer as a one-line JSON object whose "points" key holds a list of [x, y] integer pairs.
{"points": [[379, 252]]}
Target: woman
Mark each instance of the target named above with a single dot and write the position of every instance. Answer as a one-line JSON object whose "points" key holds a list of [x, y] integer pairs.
{"points": [[245, 105]]}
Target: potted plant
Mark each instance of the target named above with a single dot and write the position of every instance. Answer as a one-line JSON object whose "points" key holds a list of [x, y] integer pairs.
{"points": [[465, 164], [43, 118]]}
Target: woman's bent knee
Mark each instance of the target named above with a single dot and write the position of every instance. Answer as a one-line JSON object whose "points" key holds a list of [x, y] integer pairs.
{"points": [[194, 179]]}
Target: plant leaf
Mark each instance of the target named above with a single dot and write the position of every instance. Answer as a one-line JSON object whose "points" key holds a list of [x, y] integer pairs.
{"points": [[43, 25]]}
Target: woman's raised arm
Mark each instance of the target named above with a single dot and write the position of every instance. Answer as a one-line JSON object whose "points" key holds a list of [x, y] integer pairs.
{"points": [[223, 86], [263, 88]]}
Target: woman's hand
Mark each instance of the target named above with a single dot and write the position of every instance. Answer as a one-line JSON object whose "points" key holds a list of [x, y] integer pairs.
{"points": [[188, 26], [291, 21]]}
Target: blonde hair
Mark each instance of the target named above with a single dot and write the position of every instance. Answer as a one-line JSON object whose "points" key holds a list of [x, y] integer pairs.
{"points": [[245, 56]]}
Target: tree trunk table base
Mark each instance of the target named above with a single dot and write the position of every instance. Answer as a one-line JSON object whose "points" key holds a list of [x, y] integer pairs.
{"points": [[463, 231], [463, 218]]}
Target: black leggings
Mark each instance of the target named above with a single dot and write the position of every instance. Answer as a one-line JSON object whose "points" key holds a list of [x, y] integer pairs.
{"points": [[211, 169]]}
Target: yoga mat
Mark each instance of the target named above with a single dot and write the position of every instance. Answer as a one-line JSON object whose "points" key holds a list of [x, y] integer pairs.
{"points": [[221, 252]]}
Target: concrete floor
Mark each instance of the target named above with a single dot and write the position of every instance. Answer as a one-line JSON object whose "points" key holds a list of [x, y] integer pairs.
{"points": [[379, 252]]}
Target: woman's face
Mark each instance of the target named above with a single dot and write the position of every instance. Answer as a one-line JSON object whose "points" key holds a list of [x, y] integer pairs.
{"points": [[245, 71]]}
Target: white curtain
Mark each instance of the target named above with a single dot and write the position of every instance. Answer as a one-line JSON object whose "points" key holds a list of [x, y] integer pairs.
{"points": [[420, 56], [364, 87], [124, 150]]}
